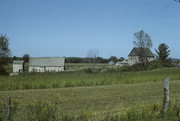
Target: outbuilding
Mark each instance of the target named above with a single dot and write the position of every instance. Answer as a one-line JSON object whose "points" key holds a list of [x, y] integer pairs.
{"points": [[46, 64], [18, 66], [122, 63]]}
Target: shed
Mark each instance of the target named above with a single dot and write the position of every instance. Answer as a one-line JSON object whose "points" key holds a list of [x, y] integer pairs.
{"points": [[18, 66], [122, 63], [111, 63]]}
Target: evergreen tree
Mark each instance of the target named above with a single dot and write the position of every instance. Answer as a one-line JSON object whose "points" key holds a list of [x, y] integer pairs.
{"points": [[162, 53]]}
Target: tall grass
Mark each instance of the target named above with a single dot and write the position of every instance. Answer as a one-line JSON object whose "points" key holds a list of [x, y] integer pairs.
{"points": [[80, 78], [50, 111]]}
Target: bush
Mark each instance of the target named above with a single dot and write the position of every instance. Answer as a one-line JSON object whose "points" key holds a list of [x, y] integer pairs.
{"points": [[137, 67], [2, 111], [4, 107], [93, 70], [3, 71], [41, 111], [89, 70], [144, 113]]}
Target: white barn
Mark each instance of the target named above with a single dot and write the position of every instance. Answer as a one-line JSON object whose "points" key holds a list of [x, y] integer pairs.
{"points": [[18, 66], [46, 64]]}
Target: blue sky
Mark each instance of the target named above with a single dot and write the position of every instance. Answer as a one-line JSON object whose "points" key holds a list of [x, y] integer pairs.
{"points": [[72, 27]]}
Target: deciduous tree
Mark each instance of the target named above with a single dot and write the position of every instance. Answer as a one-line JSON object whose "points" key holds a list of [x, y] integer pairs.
{"points": [[92, 55], [143, 41], [113, 58], [4, 53], [26, 57]]}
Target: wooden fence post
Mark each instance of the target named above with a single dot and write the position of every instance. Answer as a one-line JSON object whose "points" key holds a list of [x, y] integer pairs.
{"points": [[9, 115], [166, 95]]}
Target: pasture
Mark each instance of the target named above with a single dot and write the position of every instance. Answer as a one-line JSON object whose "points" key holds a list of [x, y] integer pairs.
{"points": [[83, 78], [76, 94], [94, 101]]}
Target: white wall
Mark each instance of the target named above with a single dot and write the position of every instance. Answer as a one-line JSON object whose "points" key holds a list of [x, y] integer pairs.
{"points": [[45, 69], [151, 59], [56, 69], [133, 60], [36, 69], [17, 68]]}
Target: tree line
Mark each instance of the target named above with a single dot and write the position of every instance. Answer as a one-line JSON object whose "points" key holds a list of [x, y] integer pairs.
{"points": [[26, 57], [142, 41]]}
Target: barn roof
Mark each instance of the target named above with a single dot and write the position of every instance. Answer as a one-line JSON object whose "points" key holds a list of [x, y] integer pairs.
{"points": [[135, 52], [46, 61], [18, 61]]}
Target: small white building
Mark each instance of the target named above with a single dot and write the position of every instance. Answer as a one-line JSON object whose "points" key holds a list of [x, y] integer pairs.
{"points": [[111, 63], [46, 64], [18, 66], [122, 63]]}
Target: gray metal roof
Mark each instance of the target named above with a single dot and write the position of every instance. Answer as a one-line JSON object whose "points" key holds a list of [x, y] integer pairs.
{"points": [[18, 61], [46, 61], [135, 52]]}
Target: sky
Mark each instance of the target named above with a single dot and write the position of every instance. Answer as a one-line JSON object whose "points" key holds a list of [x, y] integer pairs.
{"points": [[70, 28]]}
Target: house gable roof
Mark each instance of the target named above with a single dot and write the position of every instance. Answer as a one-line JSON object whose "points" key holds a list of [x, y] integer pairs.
{"points": [[46, 61], [135, 52]]}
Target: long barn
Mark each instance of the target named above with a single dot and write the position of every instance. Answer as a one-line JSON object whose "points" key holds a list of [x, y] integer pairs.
{"points": [[46, 64]]}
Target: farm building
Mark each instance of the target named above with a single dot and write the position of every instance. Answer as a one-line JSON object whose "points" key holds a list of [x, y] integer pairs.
{"points": [[46, 64], [18, 66], [122, 63], [133, 56], [111, 63]]}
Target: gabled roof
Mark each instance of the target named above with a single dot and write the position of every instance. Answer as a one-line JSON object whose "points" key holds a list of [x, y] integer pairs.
{"points": [[135, 52], [18, 61], [46, 61]]}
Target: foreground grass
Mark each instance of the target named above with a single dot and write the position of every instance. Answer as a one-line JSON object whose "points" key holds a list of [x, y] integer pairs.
{"points": [[98, 98], [80, 78], [96, 101]]}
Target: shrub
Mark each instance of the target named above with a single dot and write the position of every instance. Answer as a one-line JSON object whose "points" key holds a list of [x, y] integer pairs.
{"points": [[41, 111], [143, 113], [137, 67], [92, 70], [89, 70], [4, 107], [3, 71], [2, 111]]}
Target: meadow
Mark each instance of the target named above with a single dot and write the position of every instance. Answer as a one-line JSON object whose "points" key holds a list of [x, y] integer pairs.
{"points": [[84, 78], [78, 94], [94, 102]]}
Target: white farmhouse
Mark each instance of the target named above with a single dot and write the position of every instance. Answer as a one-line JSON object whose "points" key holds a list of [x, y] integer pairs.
{"points": [[18, 66], [46, 64], [133, 57]]}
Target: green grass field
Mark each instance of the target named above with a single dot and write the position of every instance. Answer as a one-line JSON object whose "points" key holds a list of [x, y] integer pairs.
{"points": [[80, 78], [97, 100], [93, 94]]}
